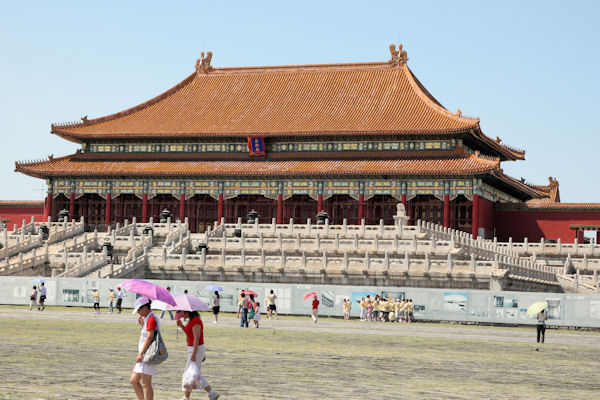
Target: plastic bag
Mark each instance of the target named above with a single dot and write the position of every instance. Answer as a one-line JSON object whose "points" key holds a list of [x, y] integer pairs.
{"points": [[191, 378]]}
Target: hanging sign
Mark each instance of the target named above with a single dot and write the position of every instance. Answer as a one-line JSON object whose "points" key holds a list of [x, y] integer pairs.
{"points": [[256, 146]]}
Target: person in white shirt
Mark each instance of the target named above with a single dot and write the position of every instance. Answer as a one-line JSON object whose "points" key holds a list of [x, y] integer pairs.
{"points": [[271, 307], [42, 306], [142, 371]]}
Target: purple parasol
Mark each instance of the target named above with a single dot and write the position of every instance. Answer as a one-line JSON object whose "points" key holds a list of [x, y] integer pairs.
{"points": [[184, 302], [148, 289]]}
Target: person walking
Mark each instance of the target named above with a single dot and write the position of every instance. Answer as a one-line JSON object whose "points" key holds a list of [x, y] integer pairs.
{"points": [[271, 307], [111, 299], [119, 298], [33, 298], [42, 306], [142, 371], [542, 317], [315, 309], [96, 301], [244, 311], [216, 306], [163, 311], [194, 331]]}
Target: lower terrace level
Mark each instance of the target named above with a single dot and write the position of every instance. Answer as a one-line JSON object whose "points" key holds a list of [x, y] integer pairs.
{"points": [[203, 210]]}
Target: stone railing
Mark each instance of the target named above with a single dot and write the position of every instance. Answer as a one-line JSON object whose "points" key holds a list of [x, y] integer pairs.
{"points": [[322, 261], [20, 244], [310, 229], [83, 267], [24, 262], [296, 243], [60, 231], [543, 248], [26, 228]]}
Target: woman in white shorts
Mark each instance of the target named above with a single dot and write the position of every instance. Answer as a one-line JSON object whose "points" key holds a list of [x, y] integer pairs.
{"points": [[142, 371]]}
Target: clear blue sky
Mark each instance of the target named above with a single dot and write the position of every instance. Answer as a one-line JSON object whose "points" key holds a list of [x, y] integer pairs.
{"points": [[528, 69]]}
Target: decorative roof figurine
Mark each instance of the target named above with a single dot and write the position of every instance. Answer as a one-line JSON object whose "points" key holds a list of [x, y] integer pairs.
{"points": [[203, 63], [399, 57]]}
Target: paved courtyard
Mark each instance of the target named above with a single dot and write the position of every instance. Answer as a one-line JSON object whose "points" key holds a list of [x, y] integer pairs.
{"points": [[61, 354]]}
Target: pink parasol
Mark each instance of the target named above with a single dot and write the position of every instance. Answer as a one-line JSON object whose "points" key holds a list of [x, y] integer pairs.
{"points": [[148, 289], [310, 295], [249, 292], [183, 302]]}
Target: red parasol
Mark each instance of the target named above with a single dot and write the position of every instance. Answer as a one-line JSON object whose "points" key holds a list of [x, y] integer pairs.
{"points": [[310, 295], [249, 292]]}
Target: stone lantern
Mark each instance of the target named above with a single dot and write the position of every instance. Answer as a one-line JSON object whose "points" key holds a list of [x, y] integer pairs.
{"points": [[63, 215], [321, 217], [253, 216], [164, 215], [109, 248]]}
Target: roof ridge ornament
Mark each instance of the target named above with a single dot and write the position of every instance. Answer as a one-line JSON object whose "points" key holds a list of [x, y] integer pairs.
{"points": [[203, 63], [84, 119], [399, 57]]}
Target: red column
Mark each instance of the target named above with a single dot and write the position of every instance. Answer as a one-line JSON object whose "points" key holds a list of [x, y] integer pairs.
{"points": [[49, 206], [145, 208], [107, 209], [597, 236], [71, 206], [45, 208], [361, 207], [446, 211], [475, 216], [280, 208], [220, 209], [182, 207], [319, 202]]}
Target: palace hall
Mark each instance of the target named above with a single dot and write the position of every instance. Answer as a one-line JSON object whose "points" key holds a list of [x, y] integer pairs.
{"points": [[289, 141]]}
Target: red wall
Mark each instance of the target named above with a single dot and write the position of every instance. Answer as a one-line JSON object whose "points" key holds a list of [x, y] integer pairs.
{"points": [[546, 224], [13, 212], [486, 217]]}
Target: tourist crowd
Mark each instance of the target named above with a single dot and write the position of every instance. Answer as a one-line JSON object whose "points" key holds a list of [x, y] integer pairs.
{"points": [[381, 309]]}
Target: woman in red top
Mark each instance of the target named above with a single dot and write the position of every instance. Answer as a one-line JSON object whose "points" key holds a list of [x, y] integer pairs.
{"points": [[194, 331], [315, 309]]}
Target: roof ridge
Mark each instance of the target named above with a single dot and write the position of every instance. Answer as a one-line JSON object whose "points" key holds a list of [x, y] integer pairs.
{"points": [[85, 121]]}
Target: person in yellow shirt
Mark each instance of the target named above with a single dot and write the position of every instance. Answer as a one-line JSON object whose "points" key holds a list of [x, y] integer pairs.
{"points": [[411, 308], [111, 299], [363, 309], [401, 310], [388, 309], [96, 301], [347, 308], [369, 305], [375, 308]]}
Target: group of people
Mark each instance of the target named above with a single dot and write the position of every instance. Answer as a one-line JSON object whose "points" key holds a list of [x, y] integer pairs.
{"points": [[381, 309], [33, 298], [111, 300], [141, 376], [249, 308]]}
